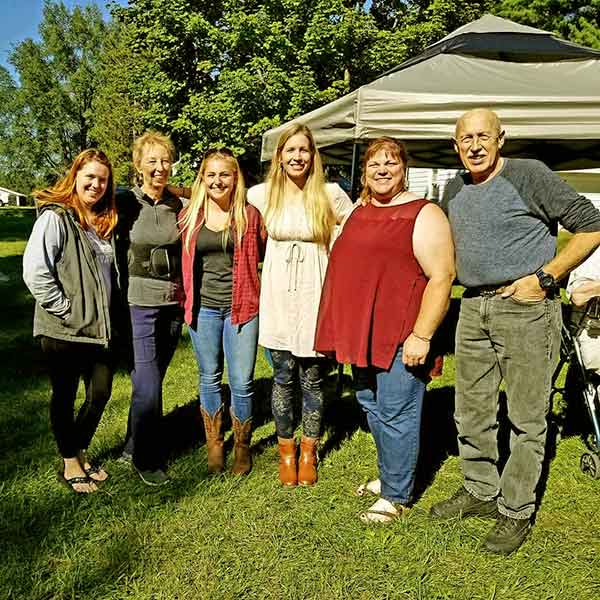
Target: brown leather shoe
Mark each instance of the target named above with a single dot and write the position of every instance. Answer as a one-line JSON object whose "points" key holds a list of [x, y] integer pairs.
{"points": [[307, 465], [288, 467], [213, 427], [242, 457]]}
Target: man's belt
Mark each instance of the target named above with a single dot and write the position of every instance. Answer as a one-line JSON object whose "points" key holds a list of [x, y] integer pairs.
{"points": [[484, 290]]}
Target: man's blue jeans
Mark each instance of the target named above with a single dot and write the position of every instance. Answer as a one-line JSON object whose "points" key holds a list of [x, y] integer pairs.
{"points": [[214, 339], [156, 331], [393, 401], [501, 338]]}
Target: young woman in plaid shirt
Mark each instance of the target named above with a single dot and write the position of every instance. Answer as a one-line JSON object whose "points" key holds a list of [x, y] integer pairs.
{"points": [[223, 242]]}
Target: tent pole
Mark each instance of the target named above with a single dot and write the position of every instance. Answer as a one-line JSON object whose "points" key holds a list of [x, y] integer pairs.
{"points": [[354, 177]]}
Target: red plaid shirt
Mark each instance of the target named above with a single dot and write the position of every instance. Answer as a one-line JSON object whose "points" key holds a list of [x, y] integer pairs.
{"points": [[246, 256]]}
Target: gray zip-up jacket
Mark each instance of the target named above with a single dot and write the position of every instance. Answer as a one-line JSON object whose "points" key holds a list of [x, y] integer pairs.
{"points": [[71, 297], [150, 247]]}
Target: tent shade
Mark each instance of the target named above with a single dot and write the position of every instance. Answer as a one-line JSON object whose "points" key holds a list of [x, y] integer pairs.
{"points": [[550, 109]]}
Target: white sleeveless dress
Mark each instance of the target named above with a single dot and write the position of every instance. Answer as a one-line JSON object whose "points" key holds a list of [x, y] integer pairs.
{"points": [[293, 273]]}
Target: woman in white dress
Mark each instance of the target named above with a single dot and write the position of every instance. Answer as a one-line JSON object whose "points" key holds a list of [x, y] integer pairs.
{"points": [[300, 211]]}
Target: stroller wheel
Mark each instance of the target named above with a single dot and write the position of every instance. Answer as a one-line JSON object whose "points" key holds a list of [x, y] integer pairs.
{"points": [[590, 465]]}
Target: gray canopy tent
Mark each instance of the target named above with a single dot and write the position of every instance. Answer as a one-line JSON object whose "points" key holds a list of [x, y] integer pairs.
{"points": [[545, 90]]}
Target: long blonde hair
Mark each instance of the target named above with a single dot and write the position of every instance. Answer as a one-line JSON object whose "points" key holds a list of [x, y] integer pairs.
{"points": [[317, 203], [65, 192], [190, 222]]}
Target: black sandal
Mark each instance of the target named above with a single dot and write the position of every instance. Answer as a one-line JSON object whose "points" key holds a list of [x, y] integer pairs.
{"points": [[72, 481], [94, 470]]}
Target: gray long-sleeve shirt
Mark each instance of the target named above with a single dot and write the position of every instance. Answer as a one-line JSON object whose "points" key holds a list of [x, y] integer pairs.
{"points": [[506, 228], [44, 250]]}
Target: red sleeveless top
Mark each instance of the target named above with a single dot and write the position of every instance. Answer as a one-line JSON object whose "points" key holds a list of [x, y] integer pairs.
{"points": [[373, 287]]}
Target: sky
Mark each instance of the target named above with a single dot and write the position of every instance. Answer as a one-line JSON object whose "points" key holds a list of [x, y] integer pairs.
{"points": [[21, 18]]}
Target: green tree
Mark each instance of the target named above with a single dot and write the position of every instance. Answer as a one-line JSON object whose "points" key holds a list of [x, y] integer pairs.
{"points": [[575, 20], [118, 115], [223, 72], [51, 111]]}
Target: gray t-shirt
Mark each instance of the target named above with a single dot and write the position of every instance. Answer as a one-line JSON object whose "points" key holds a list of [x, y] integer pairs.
{"points": [[506, 228]]}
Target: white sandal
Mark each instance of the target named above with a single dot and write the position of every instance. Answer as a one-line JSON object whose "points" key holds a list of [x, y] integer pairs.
{"points": [[372, 488]]}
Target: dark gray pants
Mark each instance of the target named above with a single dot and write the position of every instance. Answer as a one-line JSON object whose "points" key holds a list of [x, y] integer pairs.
{"points": [[501, 339]]}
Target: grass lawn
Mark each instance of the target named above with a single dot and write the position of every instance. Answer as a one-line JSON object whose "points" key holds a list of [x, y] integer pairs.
{"points": [[226, 537]]}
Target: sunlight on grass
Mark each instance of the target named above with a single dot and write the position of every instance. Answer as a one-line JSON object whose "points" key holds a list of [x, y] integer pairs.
{"points": [[226, 537]]}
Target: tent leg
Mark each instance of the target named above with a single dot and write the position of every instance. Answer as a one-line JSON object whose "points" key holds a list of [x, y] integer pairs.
{"points": [[355, 177]]}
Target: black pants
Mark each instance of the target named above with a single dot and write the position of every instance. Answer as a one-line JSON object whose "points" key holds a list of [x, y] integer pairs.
{"points": [[67, 363]]}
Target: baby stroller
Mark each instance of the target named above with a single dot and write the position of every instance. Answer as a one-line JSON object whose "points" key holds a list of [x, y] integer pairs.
{"points": [[589, 383]]}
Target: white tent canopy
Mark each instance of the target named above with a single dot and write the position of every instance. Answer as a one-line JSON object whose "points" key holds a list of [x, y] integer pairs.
{"points": [[545, 90]]}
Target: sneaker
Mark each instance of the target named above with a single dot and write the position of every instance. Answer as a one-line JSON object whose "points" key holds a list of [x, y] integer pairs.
{"points": [[507, 534], [463, 504], [125, 458], [154, 478]]}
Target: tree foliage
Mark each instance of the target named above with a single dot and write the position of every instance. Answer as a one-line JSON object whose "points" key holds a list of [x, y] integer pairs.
{"points": [[51, 106], [575, 20], [219, 72], [222, 72]]}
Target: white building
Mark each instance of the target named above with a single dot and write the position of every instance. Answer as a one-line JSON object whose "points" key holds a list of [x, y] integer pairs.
{"points": [[10, 197], [429, 183]]}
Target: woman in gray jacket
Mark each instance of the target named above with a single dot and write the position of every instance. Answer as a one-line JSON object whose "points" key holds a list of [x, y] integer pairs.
{"points": [[69, 268]]}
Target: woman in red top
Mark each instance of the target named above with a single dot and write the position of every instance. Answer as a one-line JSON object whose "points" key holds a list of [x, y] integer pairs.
{"points": [[386, 291], [223, 242]]}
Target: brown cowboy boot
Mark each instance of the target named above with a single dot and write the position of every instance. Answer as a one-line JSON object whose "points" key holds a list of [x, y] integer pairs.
{"points": [[242, 457], [213, 427], [307, 465], [288, 467]]}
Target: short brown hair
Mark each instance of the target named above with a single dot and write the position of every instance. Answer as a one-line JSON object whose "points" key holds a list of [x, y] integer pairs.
{"points": [[393, 147]]}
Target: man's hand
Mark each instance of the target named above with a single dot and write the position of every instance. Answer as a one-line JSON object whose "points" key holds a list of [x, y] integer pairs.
{"points": [[525, 289], [414, 351]]}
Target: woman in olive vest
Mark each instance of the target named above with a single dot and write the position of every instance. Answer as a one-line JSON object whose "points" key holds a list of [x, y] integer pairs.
{"points": [[69, 267]]}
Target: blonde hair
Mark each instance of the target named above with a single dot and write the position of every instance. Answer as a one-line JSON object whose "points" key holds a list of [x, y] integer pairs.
{"points": [[390, 146], [317, 203], [151, 138], [190, 222], [65, 192]]}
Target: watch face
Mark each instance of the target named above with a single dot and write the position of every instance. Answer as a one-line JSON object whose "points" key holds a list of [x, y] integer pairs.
{"points": [[546, 280]]}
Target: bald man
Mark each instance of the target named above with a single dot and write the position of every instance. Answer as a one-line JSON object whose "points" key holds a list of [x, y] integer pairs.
{"points": [[504, 214]]}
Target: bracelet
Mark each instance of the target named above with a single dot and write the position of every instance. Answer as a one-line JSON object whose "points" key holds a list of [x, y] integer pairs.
{"points": [[422, 338]]}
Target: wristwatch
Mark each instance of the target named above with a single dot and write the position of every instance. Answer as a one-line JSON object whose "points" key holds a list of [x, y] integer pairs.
{"points": [[547, 281]]}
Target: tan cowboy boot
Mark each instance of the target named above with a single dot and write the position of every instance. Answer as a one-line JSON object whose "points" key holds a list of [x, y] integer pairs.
{"points": [[213, 427], [242, 457], [288, 467], [307, 465]]}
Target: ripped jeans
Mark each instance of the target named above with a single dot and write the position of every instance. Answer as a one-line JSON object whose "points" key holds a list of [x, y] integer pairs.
{"points": [[309, 369]]}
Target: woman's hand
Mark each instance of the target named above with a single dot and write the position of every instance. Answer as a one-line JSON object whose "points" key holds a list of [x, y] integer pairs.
{"points": [[415, 350], [585, 292]]}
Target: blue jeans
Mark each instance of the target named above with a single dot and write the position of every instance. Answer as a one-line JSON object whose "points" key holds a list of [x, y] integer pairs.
{"points": [[156, 331], [215, 339], [393, 402], [500, 338]]}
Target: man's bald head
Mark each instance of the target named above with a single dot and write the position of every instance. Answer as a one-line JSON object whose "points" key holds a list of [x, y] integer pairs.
{"points": [[479, 139], [493, 120]]}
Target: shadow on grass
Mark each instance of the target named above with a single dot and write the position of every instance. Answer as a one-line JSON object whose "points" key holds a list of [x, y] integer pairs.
{"points": [[438, 436]]}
